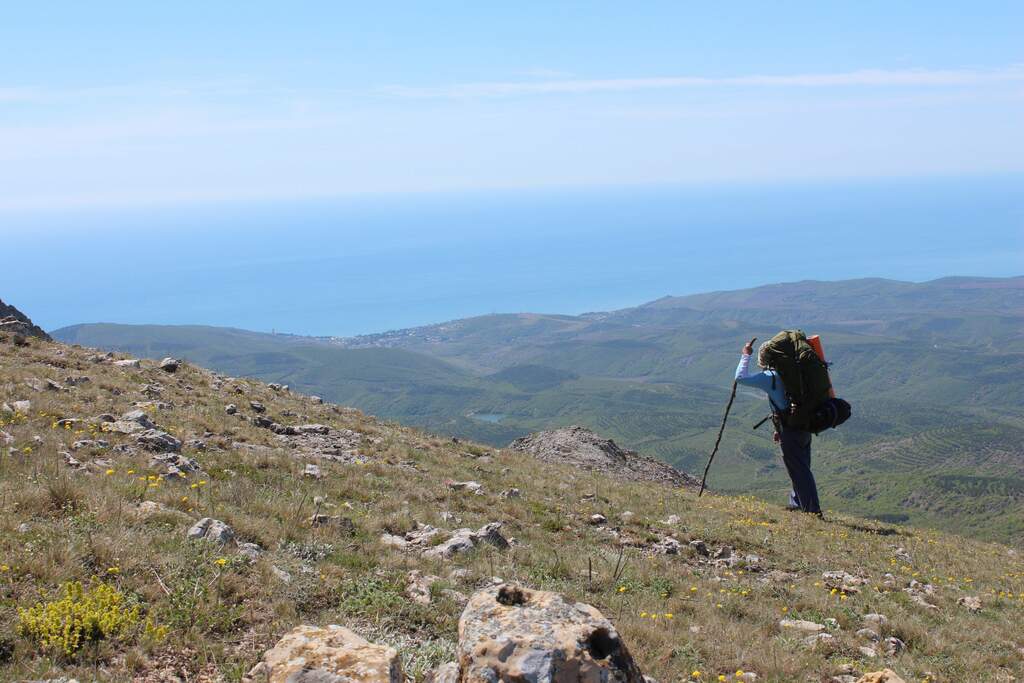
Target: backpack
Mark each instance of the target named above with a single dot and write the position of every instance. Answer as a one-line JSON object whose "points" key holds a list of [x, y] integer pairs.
{"points": [[808, 387]]}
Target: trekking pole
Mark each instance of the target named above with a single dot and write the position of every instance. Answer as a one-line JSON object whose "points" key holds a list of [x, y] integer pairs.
{"points": [[721, 430]]}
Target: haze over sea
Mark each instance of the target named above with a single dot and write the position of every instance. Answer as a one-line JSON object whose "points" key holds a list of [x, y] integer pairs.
{"points": [[359, 265]]}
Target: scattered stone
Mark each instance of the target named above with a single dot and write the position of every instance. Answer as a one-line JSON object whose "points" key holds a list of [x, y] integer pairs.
{"points": [[508, 633], [869, 634], [819, 640], [700, 547], [418, 538], [170, 365], [77, 380], [5, 438], [840, 580], [626, 517], [128, 363], [667, 546], [175, 466], [884, 676], [231, 409], [902, 555], [257, 406], [597, 519], [281, 575], [331, 654], [123, 427], [671, 521], [275, 386], [251, 550], [313, 429], [464, 540], [343, 523], [196, 444], [211, 530], [156, 440], [801, 625], [151, 508], [312, 471], [877, 620], [418, 586], [316, 399], [98, 444], [23, 407], [471, 486], [893, 646], [140, 417], [867, 652], [971, 603], [511, 493]]}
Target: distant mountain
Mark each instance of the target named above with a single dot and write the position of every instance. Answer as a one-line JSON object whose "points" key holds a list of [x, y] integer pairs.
{"points": [[933, 370]]}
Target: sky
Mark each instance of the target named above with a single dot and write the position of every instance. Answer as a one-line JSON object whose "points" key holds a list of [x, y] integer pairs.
{"points": [[122, 104]]}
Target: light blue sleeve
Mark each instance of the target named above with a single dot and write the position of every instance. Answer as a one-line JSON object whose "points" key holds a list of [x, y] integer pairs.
{"points": [[758, 380]]}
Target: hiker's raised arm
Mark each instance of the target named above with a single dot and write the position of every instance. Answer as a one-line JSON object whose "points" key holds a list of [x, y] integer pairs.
{"points": [[748, 348]]}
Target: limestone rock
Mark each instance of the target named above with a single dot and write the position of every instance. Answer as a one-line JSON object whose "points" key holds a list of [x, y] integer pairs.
{"points": [[868, 634], [893, 646], [170, 365], [251, 550], [801, 625], [971, 603], [123, 427], [470, 486], [211, 530], [464, 540], [312, 471], [257, 407], [128, 363], [155, 440], [231, 409], [140, 417], [330, 654], [884, 676], [508, 633]]}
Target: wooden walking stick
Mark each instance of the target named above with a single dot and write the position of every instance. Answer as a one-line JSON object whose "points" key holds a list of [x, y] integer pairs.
{"points": [[721, 430]]}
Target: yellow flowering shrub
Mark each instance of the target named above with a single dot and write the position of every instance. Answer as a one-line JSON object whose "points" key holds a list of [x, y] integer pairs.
{"points": [[79, 616]]}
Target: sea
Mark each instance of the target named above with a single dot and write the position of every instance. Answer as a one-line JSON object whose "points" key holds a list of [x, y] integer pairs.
{"points": [[355, 265]]}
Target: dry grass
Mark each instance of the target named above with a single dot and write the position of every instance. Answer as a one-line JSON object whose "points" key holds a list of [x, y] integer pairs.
{"points": [[678, 615]]}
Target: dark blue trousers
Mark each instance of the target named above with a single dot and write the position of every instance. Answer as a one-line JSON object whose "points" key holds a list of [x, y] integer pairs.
{"points": [[796, 455]]}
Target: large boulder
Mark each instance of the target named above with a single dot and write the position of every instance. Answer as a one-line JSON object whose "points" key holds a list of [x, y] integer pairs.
{"points": [[330, 654], [580, 447], [513, 634]]}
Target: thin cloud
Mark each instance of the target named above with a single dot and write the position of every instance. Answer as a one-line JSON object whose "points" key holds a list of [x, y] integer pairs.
{"points": [[861, 78]]}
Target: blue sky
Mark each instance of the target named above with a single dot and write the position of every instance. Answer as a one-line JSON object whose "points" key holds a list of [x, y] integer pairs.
{"points": [[121, 104]]}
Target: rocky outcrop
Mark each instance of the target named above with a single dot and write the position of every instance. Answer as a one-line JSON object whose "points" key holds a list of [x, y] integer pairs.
{"points": [[331, 654], [509, 633], [583, 448], [17, 324]]}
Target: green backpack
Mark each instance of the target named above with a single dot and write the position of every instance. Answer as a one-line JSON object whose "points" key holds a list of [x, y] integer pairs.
{"points": [[804, 376]]}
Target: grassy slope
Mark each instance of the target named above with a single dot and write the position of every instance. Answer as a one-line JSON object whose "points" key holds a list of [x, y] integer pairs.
{"points": [[221, 615], [932, 369]]}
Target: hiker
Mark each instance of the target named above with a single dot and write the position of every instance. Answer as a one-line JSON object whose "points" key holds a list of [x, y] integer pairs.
{"points": [[796, 443]]}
